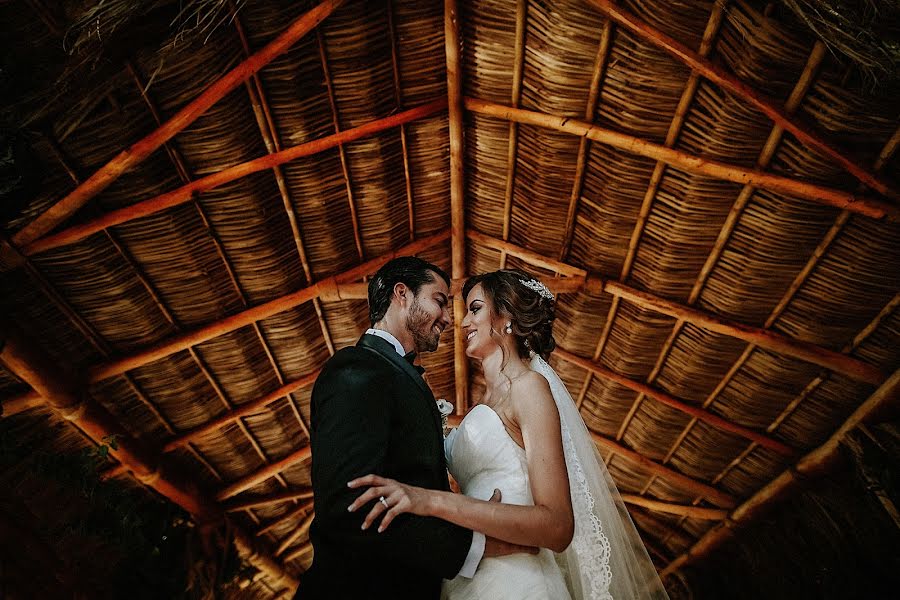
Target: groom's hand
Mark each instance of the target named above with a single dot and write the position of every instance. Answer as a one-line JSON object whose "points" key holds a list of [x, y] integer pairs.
{"points": [[495, 547]]}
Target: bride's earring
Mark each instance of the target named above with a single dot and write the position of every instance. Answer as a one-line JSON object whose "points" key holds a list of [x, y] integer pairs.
{"points": [[508, 327]]}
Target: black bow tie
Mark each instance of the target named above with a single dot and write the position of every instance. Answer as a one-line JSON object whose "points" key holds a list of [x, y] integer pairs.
{"points": [[411, 359]]}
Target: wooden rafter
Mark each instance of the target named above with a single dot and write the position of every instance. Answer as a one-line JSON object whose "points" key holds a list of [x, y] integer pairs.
{"points": [[728, 81], [272, 141], [887, 152], [398, 99], [336, 122], [584, 146], [683, 482], [788, 483], [64, 396], [326, 288], [268, 500], [765, 338], [86, 328], [684, 103], [698, 413], [185, 192], [137, 152], [693, 512], [766, 155], [515, 98], [457, 196], [792, 187], [184, 173]]}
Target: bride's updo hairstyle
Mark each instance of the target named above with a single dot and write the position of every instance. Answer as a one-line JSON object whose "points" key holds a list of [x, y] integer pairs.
{"points": [[530, 312]]}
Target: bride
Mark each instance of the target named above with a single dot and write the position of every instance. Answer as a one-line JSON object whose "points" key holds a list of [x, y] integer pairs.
{"points": [[527, 439]]}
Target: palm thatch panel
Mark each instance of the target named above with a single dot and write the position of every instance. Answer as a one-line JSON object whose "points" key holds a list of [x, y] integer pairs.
{"points": [[746, 254]]}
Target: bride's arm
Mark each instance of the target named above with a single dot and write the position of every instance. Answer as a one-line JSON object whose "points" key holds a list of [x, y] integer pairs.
{"points": [[547, 524]]}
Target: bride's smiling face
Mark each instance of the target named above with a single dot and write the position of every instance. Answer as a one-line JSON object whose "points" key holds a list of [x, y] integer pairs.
{"points": [[478, 336]]}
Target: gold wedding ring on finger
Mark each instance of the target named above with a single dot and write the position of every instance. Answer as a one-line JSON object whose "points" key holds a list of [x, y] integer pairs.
{"points": [[384, 502]]}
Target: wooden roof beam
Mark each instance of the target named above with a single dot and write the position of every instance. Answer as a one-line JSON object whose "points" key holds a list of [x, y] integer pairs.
{"points": [[515, 98], [63, 395], [457, 196], [584, 146], [184, 194], [788, 483], [765, 338], [326, 289], [703, 415], [398, 98], [691, 512], [268, 500], [137, 152], [792, 187], [806, 134]]}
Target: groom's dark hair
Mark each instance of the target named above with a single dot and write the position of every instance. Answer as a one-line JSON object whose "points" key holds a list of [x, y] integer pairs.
{"points": [[409, 270]]}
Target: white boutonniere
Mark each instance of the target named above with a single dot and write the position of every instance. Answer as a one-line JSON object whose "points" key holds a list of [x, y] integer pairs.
{"points": [[446, 409]]}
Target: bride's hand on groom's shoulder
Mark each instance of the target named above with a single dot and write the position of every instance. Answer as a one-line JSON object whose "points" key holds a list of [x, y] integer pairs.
{"points": [[393, 499]]}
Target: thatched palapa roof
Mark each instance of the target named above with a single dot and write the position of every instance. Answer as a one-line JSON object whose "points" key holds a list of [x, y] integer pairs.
{"points": [[198, 190]]}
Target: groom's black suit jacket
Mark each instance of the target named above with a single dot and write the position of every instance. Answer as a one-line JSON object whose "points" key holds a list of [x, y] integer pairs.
{"points": [[373, 413]]}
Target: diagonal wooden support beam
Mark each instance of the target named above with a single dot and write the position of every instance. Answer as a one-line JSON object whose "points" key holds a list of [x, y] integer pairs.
{"points": [[675, 478], [62, 393], [789, 483], [252, 315], [807, 135], [140, 150], [764, 338], [791, 187], [186, 192], [327, 289], [703, 415], [693, 512], [688, 484], [457, 197]]}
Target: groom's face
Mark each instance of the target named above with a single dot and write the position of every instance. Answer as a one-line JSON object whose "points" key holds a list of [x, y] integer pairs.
{"points": [[429, 314]]}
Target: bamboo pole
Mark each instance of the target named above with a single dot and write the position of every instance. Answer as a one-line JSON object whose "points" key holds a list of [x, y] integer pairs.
{"points": [[140, 150], [278, 522], [764, 338], [688, 484], [60, 392], [864, 205], [664, 398], [257, 313], [789, 483], [730, 82], [299, 532], [457, 198], [512, 147], [270, 470], [528, 256], [693, 512], [185, 193], [584, 146], [240, 411], [268, 500]]}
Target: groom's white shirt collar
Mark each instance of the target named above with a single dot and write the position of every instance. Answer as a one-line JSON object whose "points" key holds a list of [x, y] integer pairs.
{"points": [[389, 337], [476, 550]]}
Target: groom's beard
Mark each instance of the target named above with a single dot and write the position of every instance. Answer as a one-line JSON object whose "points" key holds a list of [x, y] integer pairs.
{"points": [[421, 326]]}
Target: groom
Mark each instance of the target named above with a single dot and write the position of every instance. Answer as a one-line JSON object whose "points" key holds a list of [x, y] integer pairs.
{"points": [[373, 413]]}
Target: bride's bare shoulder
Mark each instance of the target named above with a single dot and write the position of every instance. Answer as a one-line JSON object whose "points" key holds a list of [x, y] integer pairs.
{"points": [[531, 391]]}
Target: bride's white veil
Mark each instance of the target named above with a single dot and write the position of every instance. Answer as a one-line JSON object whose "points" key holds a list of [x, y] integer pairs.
{"points": [[606, 559]]}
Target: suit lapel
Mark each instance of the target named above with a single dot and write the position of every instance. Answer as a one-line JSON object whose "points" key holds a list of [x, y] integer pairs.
{"points": [[387, 351]]}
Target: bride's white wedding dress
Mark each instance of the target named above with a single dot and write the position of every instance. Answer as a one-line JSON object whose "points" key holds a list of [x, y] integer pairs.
{"points": [[481, 456], [606, 559]]}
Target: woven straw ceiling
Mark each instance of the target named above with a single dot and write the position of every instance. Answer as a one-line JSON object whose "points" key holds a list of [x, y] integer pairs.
{"points": [[725, 241]]}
